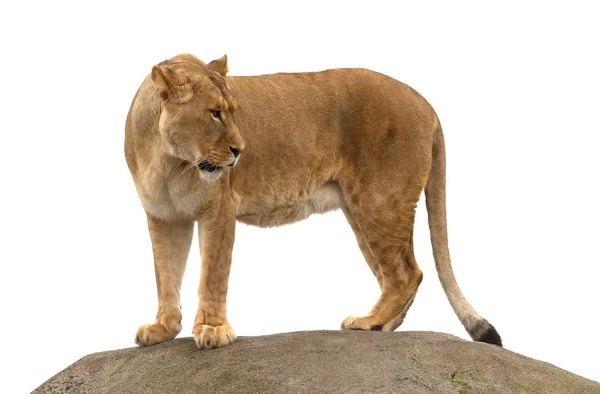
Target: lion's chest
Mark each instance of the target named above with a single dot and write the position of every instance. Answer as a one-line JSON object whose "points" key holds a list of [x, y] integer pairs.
{"points": [[169, 200], [169, 209]]}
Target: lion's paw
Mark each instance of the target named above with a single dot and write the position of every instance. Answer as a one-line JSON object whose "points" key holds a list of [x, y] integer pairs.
{"points": [[151, 334], [210, 337], [365, 323]]}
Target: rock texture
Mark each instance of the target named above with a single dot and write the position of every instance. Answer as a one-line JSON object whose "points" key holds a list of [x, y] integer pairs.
{"points": [[318, 362]]}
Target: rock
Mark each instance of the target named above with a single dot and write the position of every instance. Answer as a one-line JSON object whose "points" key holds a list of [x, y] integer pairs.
{"points": [[318, 362]]}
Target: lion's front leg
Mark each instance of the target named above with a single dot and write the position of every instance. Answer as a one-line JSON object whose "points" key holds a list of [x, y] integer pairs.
{"points": [[216, 232], [171, 245]]}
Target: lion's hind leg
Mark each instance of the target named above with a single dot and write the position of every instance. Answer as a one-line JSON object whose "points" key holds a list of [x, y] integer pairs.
{"points": [[383, 226], [364, 246], [374, 265]]}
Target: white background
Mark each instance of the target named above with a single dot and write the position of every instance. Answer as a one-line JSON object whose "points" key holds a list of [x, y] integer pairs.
{"points": [[517, 90]]}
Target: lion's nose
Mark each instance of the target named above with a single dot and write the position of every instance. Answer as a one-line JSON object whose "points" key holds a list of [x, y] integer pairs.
{"points": [[236, 152]]}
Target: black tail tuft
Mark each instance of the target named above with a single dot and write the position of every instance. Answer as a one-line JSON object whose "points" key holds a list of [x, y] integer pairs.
{"points": [[483, 331]]}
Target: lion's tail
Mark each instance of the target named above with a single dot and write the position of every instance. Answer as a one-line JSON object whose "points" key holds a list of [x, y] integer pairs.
{"points": [[435, 192]]}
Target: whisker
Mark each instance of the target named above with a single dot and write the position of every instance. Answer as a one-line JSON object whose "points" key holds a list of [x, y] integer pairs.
{"points": [[188, 167], [192, 163], [184, 170]]}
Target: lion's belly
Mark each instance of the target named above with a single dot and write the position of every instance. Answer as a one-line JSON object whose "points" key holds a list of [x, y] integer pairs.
{"points": [[276, 212]]}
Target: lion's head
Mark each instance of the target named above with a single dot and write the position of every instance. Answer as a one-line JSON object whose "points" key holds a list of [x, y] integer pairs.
{"points": [[197, 108]]}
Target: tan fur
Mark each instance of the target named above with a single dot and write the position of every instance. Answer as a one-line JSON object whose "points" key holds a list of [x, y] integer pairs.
{"points": [[312, 142]]}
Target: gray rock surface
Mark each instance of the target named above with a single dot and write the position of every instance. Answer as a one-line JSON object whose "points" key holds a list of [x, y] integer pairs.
{"points": [[318, 362]]}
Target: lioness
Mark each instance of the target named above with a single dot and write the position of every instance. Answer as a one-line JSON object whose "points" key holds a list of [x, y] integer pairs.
{"points": [[273, 149]]}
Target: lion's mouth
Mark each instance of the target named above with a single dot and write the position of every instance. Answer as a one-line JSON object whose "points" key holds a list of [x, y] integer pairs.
{"points": [[208, 167]]}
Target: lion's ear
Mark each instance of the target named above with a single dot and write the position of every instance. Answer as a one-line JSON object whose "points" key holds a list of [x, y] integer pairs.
{"points": [[219, 65], [172, 86]]}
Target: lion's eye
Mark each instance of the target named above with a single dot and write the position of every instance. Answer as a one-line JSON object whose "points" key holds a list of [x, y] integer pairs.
{"points": [[216, 114]]}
